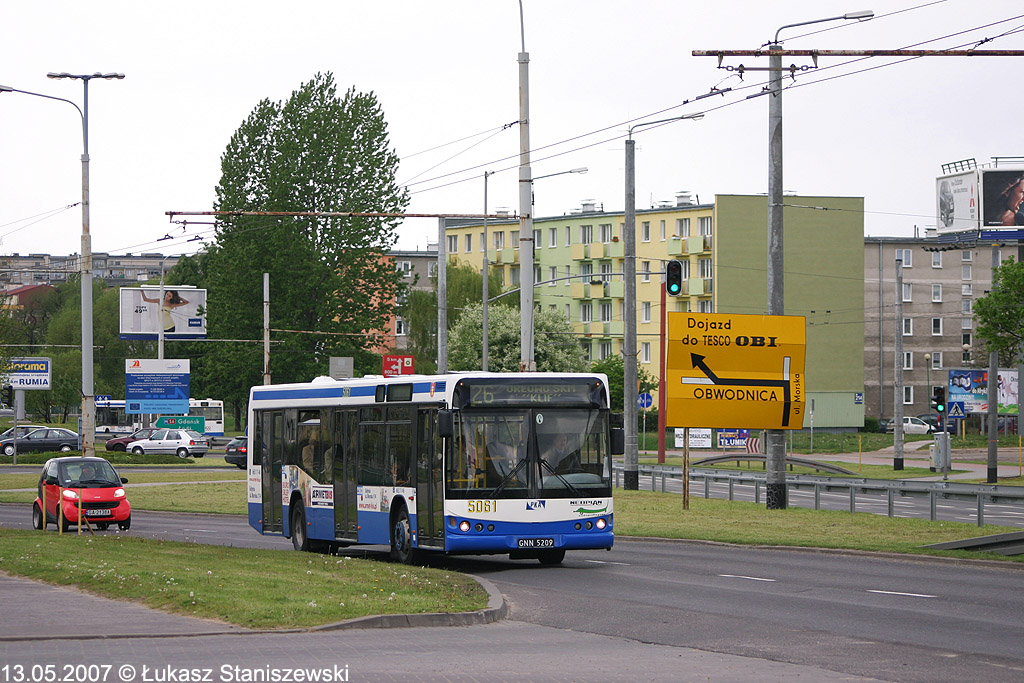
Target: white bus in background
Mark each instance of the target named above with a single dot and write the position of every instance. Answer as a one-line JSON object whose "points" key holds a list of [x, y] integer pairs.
{"points": [[111, 417]]}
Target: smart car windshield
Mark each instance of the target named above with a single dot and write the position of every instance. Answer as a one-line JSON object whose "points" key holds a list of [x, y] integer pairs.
{"points": [[88, 474]]}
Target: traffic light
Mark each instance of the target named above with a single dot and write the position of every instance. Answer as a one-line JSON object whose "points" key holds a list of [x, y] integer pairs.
{"points": [[674, 278], [940, 401], [8, 395]]}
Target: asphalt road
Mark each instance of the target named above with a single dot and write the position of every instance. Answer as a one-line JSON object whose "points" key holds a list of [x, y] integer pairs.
{"points": [[652, 610]]}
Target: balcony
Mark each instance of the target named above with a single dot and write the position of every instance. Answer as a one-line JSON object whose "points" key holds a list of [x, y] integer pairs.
{"points": [[615, 289], [583, 289], [614, 328], [698, 245], [580, 252], [695, 286], [614, 249], [676, 246]]}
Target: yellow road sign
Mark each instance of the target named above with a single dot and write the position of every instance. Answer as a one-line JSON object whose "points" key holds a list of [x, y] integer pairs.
{"points": [[734, 370]]}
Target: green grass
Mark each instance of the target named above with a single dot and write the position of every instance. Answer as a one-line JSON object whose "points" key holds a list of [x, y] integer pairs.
{"points": [[249, 588], [643, 513]]}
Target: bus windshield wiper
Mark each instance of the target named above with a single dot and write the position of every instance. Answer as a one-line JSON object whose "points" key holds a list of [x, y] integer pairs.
{"points": [[508, 477], [545, 463]]}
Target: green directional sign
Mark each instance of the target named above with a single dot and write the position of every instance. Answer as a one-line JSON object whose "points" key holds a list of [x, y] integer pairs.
{"points": [[196, 424]]}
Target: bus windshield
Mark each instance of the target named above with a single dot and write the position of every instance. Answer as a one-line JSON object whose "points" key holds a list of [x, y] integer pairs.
{"points": [[530, 453]]}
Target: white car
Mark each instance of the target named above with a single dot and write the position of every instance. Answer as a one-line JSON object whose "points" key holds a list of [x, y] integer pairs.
{"points": [[181, 442], [912, 425]]}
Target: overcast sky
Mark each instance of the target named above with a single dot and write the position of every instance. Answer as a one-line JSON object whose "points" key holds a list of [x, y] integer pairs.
{"points": [[446, 75]]}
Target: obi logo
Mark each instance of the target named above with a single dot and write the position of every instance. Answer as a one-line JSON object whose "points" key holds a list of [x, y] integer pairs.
{"points": [[535, 505]]}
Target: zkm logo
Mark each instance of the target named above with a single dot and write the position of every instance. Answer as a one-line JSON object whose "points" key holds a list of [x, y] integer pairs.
{"points": [[535, 505]]}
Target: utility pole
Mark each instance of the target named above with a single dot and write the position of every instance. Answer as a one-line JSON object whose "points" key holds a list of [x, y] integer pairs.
{"points": [[526, 358], [897, 377], [993, 397]]}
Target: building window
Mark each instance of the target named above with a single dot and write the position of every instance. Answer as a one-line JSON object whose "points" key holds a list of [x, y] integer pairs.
{"points": [[568, 242], [907, 291], [514, 238], [704, 306], [605, 232], [606, 312], [453, 244], [965, 339], [588, 351], [432, 269], [966, 323], [908, 360], [965, 306], [662, 231], [499, 240], [405, 268], [568, 276], [586, 234], [606, 272], [645, 270], [682, 227], [965, 273], [604, 350], [906, 256], [586, 313], [966, 290], [686, 269], [537, 277], [937, 293], [586, 270], [908, 395], [501, 275], [967, 255], [936, 259], [908, 327], [704, 225], [936, 360], [705, 267], [568, 311], [936, 327], [645, 312], [552, 275], [483, 242], [552, 237], [537, 241], [645, 352], [645, 231], [400, 328]]}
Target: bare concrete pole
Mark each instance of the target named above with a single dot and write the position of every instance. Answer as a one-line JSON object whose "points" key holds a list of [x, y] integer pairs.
{"points": [[442, 299], [631, 469], [897, 377], [266, 328], [993, 396]]}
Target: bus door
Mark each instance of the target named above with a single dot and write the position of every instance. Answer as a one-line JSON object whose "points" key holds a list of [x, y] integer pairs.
{"points": [[345, 459], [270, 438], [429, 480]]}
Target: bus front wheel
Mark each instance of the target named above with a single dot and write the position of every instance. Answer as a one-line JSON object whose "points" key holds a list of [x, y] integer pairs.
{"points": [[300, 538], [401, 539]]}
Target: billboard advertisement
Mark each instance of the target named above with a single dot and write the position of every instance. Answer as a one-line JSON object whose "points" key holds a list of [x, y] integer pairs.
{"points": [[971, 388], [181, 313], [1002, 197], [28, 373], [156, 386], [958, 205]]}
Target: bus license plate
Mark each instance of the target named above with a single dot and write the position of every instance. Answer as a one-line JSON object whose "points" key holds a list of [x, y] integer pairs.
{"points": [[536, 543], [97, 513]]}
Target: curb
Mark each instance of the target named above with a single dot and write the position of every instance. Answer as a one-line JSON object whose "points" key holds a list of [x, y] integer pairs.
{"points": [[496, 610]]}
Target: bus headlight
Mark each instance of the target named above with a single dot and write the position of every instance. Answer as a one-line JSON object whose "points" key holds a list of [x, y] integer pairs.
{"points": [[463, 525], [601, 524]]}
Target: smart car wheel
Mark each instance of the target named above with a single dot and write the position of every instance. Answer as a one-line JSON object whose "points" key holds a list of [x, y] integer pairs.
{"points": [[126, 524], [38, 520], [9, 449], [182, 452], [102, 526], [138, 450]]}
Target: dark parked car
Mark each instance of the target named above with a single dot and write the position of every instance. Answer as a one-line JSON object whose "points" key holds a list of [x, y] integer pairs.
{"points": [[120, 443], [933, 422], [43, 439], [90, 484], [22, 430], [236, 452]]}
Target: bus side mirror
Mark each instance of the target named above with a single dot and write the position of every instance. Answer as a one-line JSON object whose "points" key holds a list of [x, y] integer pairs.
{"points": [[618, 441], [446, 423]]}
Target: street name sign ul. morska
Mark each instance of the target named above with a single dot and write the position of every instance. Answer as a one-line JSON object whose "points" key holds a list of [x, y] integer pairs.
{"points": [[735, 371]]}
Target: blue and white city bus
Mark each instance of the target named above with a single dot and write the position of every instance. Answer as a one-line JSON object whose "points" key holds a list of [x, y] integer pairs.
{"points": [[474, 463]]}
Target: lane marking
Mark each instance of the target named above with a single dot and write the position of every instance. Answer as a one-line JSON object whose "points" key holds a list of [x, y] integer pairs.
{"points": [[621, 564], [909, 595], [201, 531], [748, 578]]}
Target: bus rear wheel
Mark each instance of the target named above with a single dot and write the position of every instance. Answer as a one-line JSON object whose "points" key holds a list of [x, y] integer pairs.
{"points": [[300, 537], [401, 539]]}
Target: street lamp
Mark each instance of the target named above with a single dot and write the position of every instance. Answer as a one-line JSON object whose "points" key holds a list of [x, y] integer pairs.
{"points": [[928, 367], [775, 439], [526, 281], [88, 398], [631, 469]]}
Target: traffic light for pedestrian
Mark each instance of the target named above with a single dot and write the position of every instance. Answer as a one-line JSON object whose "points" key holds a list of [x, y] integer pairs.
{"points": [[674, 278]]}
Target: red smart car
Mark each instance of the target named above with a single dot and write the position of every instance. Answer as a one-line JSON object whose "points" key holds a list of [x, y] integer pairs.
{"points": [[89, 484]]}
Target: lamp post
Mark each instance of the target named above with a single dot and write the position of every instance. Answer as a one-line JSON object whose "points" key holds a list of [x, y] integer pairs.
{"points": [[775, 439], [527, 279], [88, 398], [928, 367], [631, 463], [484, 354]]}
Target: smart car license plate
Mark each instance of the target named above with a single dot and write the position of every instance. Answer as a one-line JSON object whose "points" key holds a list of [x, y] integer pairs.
{"points": [[97, 513], [536, 543]]}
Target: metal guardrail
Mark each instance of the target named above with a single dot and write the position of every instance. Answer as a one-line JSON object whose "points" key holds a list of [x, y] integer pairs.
{"points": [[933, 490]]}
